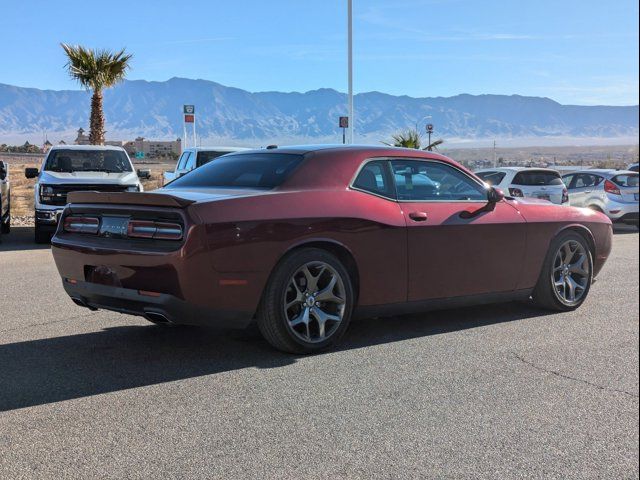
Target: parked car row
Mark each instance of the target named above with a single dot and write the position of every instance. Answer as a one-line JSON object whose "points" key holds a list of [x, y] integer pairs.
{"points": [[612, 192], [291, 237], [109, 169]]}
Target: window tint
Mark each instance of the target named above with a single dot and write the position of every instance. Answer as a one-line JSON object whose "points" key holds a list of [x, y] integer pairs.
{"points": [[425, 180], [626, 180], [110, 161], [584, 180], [249, 170], [492, 178], [568, 180], [206, 157], [374, 178], [537, 177]]}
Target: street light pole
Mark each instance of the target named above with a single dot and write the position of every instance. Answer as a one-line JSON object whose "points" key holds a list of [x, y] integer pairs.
{"points": [[350, 67]]}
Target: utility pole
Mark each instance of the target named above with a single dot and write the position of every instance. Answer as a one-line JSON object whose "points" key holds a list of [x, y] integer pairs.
{"points": [[495, 163], [350, 67]]}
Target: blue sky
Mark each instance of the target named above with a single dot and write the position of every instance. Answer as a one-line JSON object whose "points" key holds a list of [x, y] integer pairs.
{"points": [[576, 52]]}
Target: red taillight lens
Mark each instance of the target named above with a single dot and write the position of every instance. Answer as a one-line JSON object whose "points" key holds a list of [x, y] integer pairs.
{"points": [[155, 230], [81, 224], [565, 195], [516, 192], [611, 187]]}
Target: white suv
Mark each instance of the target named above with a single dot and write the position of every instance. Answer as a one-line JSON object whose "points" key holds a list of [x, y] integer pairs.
{"points": [[71, 168], [196, 157], [542, 183]]}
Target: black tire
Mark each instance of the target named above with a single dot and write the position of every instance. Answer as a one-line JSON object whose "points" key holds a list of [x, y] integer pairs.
{"points": [[41, 235], [272, 320], [5, 226], [546, 294]]}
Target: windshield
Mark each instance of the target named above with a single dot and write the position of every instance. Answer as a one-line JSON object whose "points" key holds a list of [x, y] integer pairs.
{"points": [[110, 161], [249, 170], [537, 177]]}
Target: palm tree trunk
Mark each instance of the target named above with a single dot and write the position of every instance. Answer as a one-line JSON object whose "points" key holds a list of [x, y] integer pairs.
{"points": [[96, 127]]}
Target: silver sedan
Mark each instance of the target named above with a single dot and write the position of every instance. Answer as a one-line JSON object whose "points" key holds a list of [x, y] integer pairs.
{"points": [[613, 192]]}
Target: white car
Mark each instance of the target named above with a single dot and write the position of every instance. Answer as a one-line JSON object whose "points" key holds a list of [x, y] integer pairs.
{"points": [[542, 183], [70, 168], [5, 199], [196, 157]]}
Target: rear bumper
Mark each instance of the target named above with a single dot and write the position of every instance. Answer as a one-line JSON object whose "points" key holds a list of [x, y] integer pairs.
{"points": [[626, 212], [160, 308]]}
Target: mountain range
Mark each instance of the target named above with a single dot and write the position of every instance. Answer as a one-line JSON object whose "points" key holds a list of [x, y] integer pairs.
{"points": [[153, 110]]}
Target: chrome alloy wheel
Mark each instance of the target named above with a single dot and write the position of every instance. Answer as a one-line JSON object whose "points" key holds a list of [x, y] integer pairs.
{"points": [[314, 302], [570, 275]]}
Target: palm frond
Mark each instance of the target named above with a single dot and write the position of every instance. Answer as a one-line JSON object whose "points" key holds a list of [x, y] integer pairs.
{"points": [[408, 139], [96, 69]]}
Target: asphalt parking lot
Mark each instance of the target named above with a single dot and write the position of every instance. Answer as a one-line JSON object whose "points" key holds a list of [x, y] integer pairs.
{"points": [[502, 391]]}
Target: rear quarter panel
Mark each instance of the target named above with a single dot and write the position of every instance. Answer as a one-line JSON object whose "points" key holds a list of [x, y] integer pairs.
{"points": [[247, 237], [545, 221]]}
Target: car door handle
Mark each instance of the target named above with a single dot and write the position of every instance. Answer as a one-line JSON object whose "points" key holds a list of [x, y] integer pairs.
{"points": [[418, 216]]}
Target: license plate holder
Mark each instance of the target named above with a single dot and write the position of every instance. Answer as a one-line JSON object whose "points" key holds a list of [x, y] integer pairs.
{"points": [[114, 227]]}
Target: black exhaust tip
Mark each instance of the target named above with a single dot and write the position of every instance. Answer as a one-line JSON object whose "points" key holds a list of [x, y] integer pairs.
{"points": [[82, 303], [157, 318]]}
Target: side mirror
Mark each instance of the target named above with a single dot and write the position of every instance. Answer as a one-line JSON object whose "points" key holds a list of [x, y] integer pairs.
{"points": [[3, 170], [31, 172], [495, 195], [144, 173]]}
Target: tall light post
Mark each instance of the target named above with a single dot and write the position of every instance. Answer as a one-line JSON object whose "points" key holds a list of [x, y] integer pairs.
{"points": [[350, 67]]}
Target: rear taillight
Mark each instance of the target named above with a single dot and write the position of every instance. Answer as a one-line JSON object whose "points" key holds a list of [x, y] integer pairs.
{"points": [[611, 187], [565, 195], [516, 192], [156, 230], [81, 224]]}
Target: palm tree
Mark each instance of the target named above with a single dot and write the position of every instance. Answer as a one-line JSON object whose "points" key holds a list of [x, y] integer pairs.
{"points": [[408, 139], [96, 70]]}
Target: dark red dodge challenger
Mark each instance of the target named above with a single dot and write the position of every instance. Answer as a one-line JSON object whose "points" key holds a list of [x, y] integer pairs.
{"points": [[301, 239]]}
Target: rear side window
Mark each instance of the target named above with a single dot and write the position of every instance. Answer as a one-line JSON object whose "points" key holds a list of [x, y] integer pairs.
{"points": [[248, 170], [537, 177], [492, 178], [374, 177], [626, 180], [584, 180]]}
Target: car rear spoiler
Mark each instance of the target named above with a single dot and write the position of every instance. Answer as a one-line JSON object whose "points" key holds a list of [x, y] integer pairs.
{"points": [[129, 198]]}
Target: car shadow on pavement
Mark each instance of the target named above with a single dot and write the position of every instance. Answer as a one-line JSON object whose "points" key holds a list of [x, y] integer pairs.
{"points": [[50, 370], [20, 238], [621, 229]]}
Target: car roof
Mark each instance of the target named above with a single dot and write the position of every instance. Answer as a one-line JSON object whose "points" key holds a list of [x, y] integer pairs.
{"points": [[217, 149], [86, 147], [515, 169], [604, 171], [340, 148]]}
